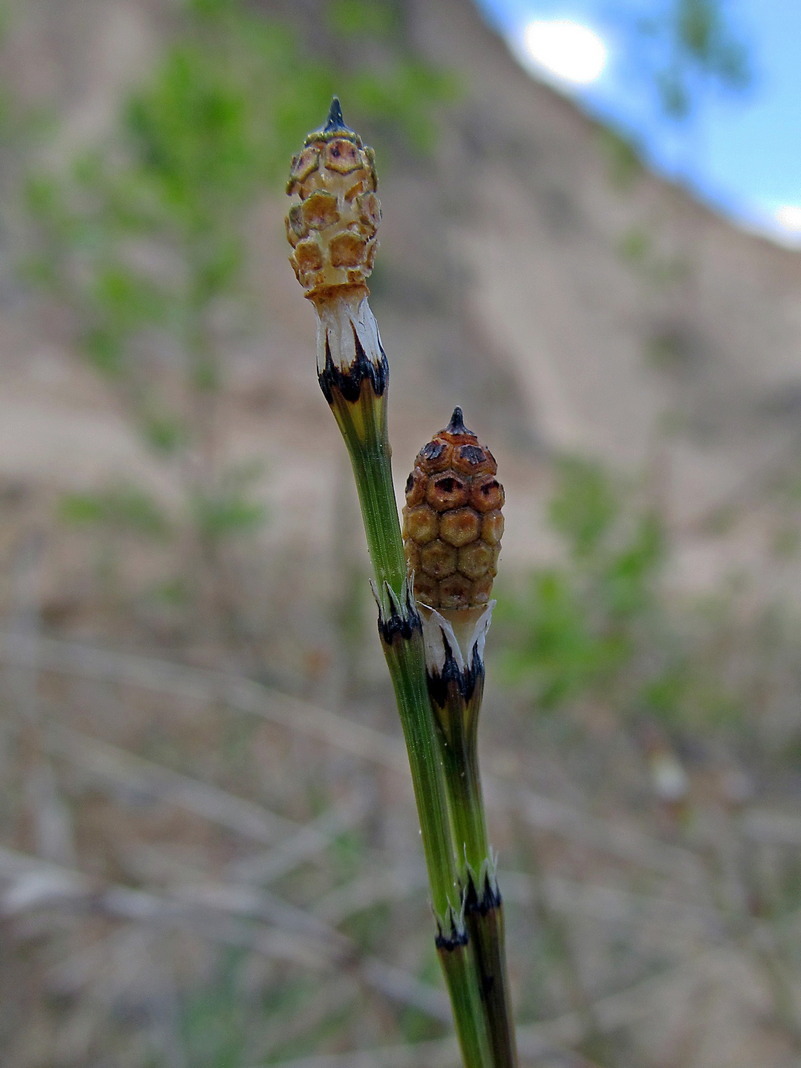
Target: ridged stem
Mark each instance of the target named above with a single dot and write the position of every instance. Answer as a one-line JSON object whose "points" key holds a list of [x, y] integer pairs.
{"points": [[457, 720], [362, 422], [363, 427], [458, 963], [485, 925]]}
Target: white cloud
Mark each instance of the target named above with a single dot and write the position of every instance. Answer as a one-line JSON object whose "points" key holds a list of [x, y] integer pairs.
{"points": [[567, 51], [788, 216]]}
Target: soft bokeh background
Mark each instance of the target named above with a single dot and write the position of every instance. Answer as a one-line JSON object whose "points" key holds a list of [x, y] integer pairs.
{"points": [[208, 851]]}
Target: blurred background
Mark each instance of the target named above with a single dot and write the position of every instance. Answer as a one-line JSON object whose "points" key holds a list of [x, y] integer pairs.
{"points": [[209, 856]]}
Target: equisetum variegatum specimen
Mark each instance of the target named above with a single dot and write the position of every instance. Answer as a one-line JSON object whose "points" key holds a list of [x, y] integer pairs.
{"points": [[433, 592]]}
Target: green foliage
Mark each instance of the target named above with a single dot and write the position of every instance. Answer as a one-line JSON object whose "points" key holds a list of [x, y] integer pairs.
{"points": [[361, 17], [227, 509], [214, 1018], [669, 349], [401, 96], [164, 432], [623, 157], [404, 92], [635, 246], [126, 508], [598, 629], [640, 251], [697, 47], [584, 506]]}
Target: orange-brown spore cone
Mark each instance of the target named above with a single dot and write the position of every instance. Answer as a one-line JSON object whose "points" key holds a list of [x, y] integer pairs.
{"points": [[452, 521]]}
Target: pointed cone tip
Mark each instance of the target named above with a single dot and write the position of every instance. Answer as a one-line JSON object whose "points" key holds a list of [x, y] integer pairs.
{"points": [[335, 121], [456, 425]]}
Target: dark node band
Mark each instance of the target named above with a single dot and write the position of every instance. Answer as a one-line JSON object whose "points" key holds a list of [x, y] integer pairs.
{"points": [[442, 684], [349, 383], [450, 942], [483, 901], [399, 626]]}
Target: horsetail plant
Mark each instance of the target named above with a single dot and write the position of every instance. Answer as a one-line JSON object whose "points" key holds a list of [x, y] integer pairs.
{"points": [[433, 592]]}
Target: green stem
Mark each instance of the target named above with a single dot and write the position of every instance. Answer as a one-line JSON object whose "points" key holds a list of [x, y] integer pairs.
{"points": [[458, 738], [459, 967], [363, 426], [405, 659], [457, 734], [485, 925]]}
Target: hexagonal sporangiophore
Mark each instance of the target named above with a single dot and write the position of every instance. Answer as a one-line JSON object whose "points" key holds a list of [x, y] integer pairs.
{"points": [[438, 559], [342, 155], [482, 589], [426, 589], [320, 210], [456, 591], [447, 490], [472, 459], [369, 259], [476, 560], [412, 552], [460, 526], [307, 260], [434, 456], [492, 527], [303, 164], [420, 524], [296, 227], [415, 488], [369, 208], [308, 255], [347, 250], [486, 494]]}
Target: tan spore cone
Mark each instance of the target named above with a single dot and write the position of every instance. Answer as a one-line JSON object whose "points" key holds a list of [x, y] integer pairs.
{"points": [[332, 229]]}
